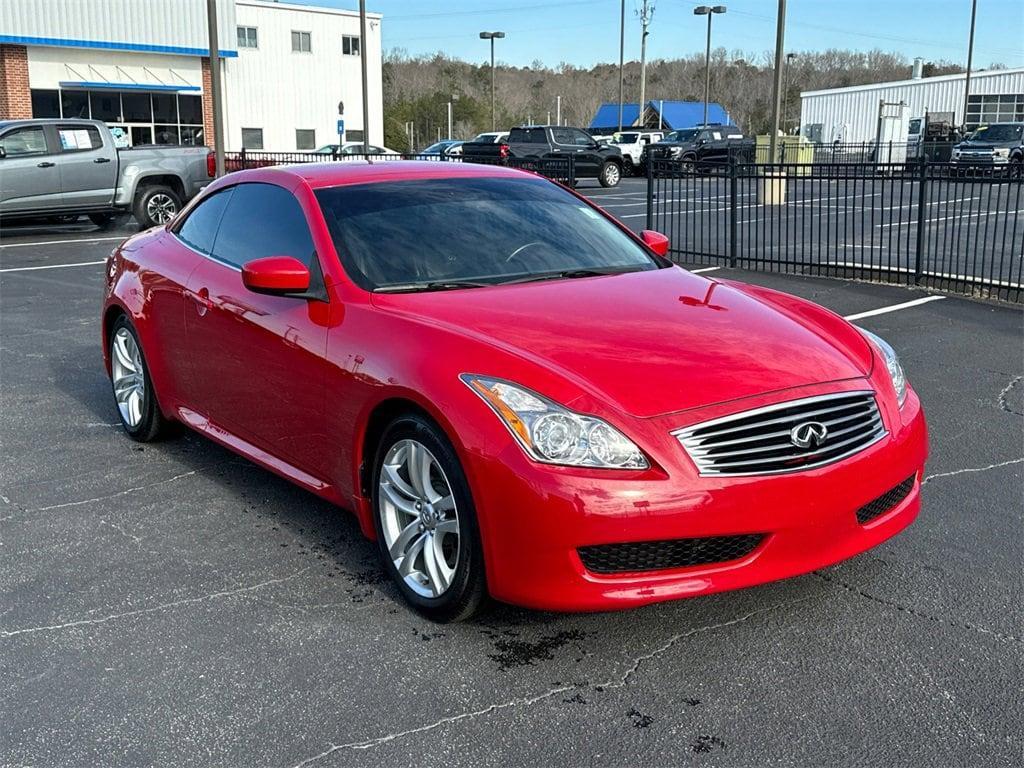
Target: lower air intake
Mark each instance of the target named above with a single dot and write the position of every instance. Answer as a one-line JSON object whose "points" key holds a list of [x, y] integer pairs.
{"points": [[885, 502], [663, 555]]}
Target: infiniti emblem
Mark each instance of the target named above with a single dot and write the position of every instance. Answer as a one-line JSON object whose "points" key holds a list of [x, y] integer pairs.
{"points": [[808, 434]]}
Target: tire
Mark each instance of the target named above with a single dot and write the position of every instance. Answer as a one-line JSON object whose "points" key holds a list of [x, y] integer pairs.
{"points": [[628, 169], [141, 419], [103, 220], [611, 174], [155, 205], [403, 512]]}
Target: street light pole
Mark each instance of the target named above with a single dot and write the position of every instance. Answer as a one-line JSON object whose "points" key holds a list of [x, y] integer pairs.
{"points": [[785, 90], [622, 55], [215, 92], [709, 11], [970, 57], [492, 36], [362, 63], [780, 42]]}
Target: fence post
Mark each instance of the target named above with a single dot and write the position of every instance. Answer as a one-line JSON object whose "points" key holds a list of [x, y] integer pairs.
{"points": [[242, 158], [572, 170], [650, 190], [733, 212], [922, 198]]}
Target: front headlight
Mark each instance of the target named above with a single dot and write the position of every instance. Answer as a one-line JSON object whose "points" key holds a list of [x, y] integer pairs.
{"points": [[1001, 151], [553, 434], [892, 362]]}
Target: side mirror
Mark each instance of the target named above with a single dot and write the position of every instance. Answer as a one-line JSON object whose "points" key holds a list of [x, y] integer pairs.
{"points": [[276, 275], [656, 241]]}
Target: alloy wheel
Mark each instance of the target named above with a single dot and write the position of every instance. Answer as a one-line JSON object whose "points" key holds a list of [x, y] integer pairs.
{"points": [[419, 519], [161, 208], [611, 174], [128, 377]]}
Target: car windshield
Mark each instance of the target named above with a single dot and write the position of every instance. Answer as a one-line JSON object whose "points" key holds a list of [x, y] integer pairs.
{"points": [[685, 135], [438, 147], [993, 133], [432, 234], [625, 138], [327, 149]]}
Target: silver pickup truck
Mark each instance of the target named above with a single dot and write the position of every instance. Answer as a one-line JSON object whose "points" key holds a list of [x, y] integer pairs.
{"points": [[71, 167]]}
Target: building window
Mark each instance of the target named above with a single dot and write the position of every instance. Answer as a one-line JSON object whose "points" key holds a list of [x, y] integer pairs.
{"points": [[305, 138], [354, 135], [247, 37], [106, 106], [301, 42], [45, 103], [984, 109], [350, 45], [75, 104], [252, 138]]}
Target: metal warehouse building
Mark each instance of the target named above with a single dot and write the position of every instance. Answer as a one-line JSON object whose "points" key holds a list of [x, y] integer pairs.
{"points": [[143, 67], [851, 114]]}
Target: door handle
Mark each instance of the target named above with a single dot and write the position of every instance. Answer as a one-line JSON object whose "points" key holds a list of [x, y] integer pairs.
{"points": [[45, 164], [102, 160]]}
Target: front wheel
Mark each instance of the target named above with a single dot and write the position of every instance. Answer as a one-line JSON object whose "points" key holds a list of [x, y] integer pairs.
{"points": [[156, 205], [610, 174], [426, 522], [133, 389]]}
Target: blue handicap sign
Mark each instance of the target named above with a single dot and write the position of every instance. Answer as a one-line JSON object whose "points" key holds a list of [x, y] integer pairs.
{"points": [[341, 127]]}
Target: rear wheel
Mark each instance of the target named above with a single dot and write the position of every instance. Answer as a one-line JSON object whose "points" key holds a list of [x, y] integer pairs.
{"points": [[426, 522], [610, 174], [133, 389], [156, 205]]}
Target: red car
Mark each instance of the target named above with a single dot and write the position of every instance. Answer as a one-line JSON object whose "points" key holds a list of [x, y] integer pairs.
{"points": [[515, 395]]}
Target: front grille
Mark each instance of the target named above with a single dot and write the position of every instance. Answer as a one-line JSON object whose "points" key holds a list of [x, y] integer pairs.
{"points": [[662, 555], [885, 502], [761, 441]]}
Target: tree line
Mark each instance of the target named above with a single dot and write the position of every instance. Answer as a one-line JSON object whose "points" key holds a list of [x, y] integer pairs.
{"points": [[418, 89]]}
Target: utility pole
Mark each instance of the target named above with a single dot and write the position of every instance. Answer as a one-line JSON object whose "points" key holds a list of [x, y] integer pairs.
{"points": [[449, 118], [785, 91], [970, 58], [362, 63], [780, 43], [492, 36], [558, 110], [646, 14], [622, 55], [215, 89]]}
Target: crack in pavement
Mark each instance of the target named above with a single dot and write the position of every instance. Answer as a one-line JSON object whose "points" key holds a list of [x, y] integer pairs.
{"points": [[914, 612], [125, 492], [621, 681], [970, 470], [1006, 391], [154, 609]]}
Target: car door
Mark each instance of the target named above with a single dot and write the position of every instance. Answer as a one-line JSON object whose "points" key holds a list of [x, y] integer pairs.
{"points": [[28, 169], [258, 360], [88, 166], [588, 157]]}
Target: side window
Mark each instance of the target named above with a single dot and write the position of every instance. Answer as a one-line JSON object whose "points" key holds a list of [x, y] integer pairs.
{"points": [[581, 139], [199, 229], [24, 141], [561, 136], [263, 220], [79, 138]]}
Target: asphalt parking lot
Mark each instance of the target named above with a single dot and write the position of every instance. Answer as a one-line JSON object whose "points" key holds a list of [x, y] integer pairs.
{"points": [[172, 604]]}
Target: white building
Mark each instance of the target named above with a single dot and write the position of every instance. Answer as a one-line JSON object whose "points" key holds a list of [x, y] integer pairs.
{"points": [[851, 114], [142, 66]]}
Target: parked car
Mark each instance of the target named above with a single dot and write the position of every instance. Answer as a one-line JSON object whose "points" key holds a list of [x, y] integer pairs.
{"points": [[710, 144], [998, 144], [514, 393], [444, 148], [591, 160], [491, 137], [349, 148], [56, 167], [632, 145]]}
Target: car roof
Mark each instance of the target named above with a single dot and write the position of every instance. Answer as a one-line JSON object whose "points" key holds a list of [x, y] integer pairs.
{"points": [[321, 175]]}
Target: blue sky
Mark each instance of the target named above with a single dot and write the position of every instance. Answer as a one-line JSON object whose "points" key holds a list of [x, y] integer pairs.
{"points": [[583, 32]]}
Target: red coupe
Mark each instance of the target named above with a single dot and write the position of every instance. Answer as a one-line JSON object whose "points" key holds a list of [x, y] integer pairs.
{"points": [[515, 395]]}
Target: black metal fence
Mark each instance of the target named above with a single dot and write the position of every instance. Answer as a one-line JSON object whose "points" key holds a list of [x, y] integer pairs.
{"points": [[562, 169], [935, 224]]}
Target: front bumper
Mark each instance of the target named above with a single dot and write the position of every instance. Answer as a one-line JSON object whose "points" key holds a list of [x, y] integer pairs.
{"points": [[535, 518]]}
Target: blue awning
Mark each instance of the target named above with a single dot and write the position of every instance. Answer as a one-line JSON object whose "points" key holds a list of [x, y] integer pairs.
{"points": [[105, 86], [607, 116]]}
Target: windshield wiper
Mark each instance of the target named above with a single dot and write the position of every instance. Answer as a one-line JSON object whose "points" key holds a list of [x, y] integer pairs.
{"points": [[569, 274], [433, 285]]}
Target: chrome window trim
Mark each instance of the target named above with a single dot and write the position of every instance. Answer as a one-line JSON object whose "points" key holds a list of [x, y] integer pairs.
{"points": [[686, 437]]}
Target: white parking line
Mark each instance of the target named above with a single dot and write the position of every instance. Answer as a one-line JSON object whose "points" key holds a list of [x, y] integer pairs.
{"points": [[54, 266], [61, 242], [894, 307]]}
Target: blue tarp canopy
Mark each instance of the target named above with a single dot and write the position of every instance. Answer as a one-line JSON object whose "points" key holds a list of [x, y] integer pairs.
{"points": [[674, 114]]}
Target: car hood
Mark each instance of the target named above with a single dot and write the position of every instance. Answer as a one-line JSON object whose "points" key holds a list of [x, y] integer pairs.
{"points": [[652, 343], [987, 144]]}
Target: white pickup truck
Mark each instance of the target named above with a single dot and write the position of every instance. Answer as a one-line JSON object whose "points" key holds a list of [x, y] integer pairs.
{"points": [[632, 145], [57, 167]]}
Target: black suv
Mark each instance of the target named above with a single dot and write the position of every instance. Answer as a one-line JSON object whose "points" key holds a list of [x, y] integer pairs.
{"points": [[704, 143], [995, 145]]}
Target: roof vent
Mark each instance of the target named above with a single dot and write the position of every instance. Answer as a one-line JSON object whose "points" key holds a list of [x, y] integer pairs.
{"points": [[918, 72]]}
